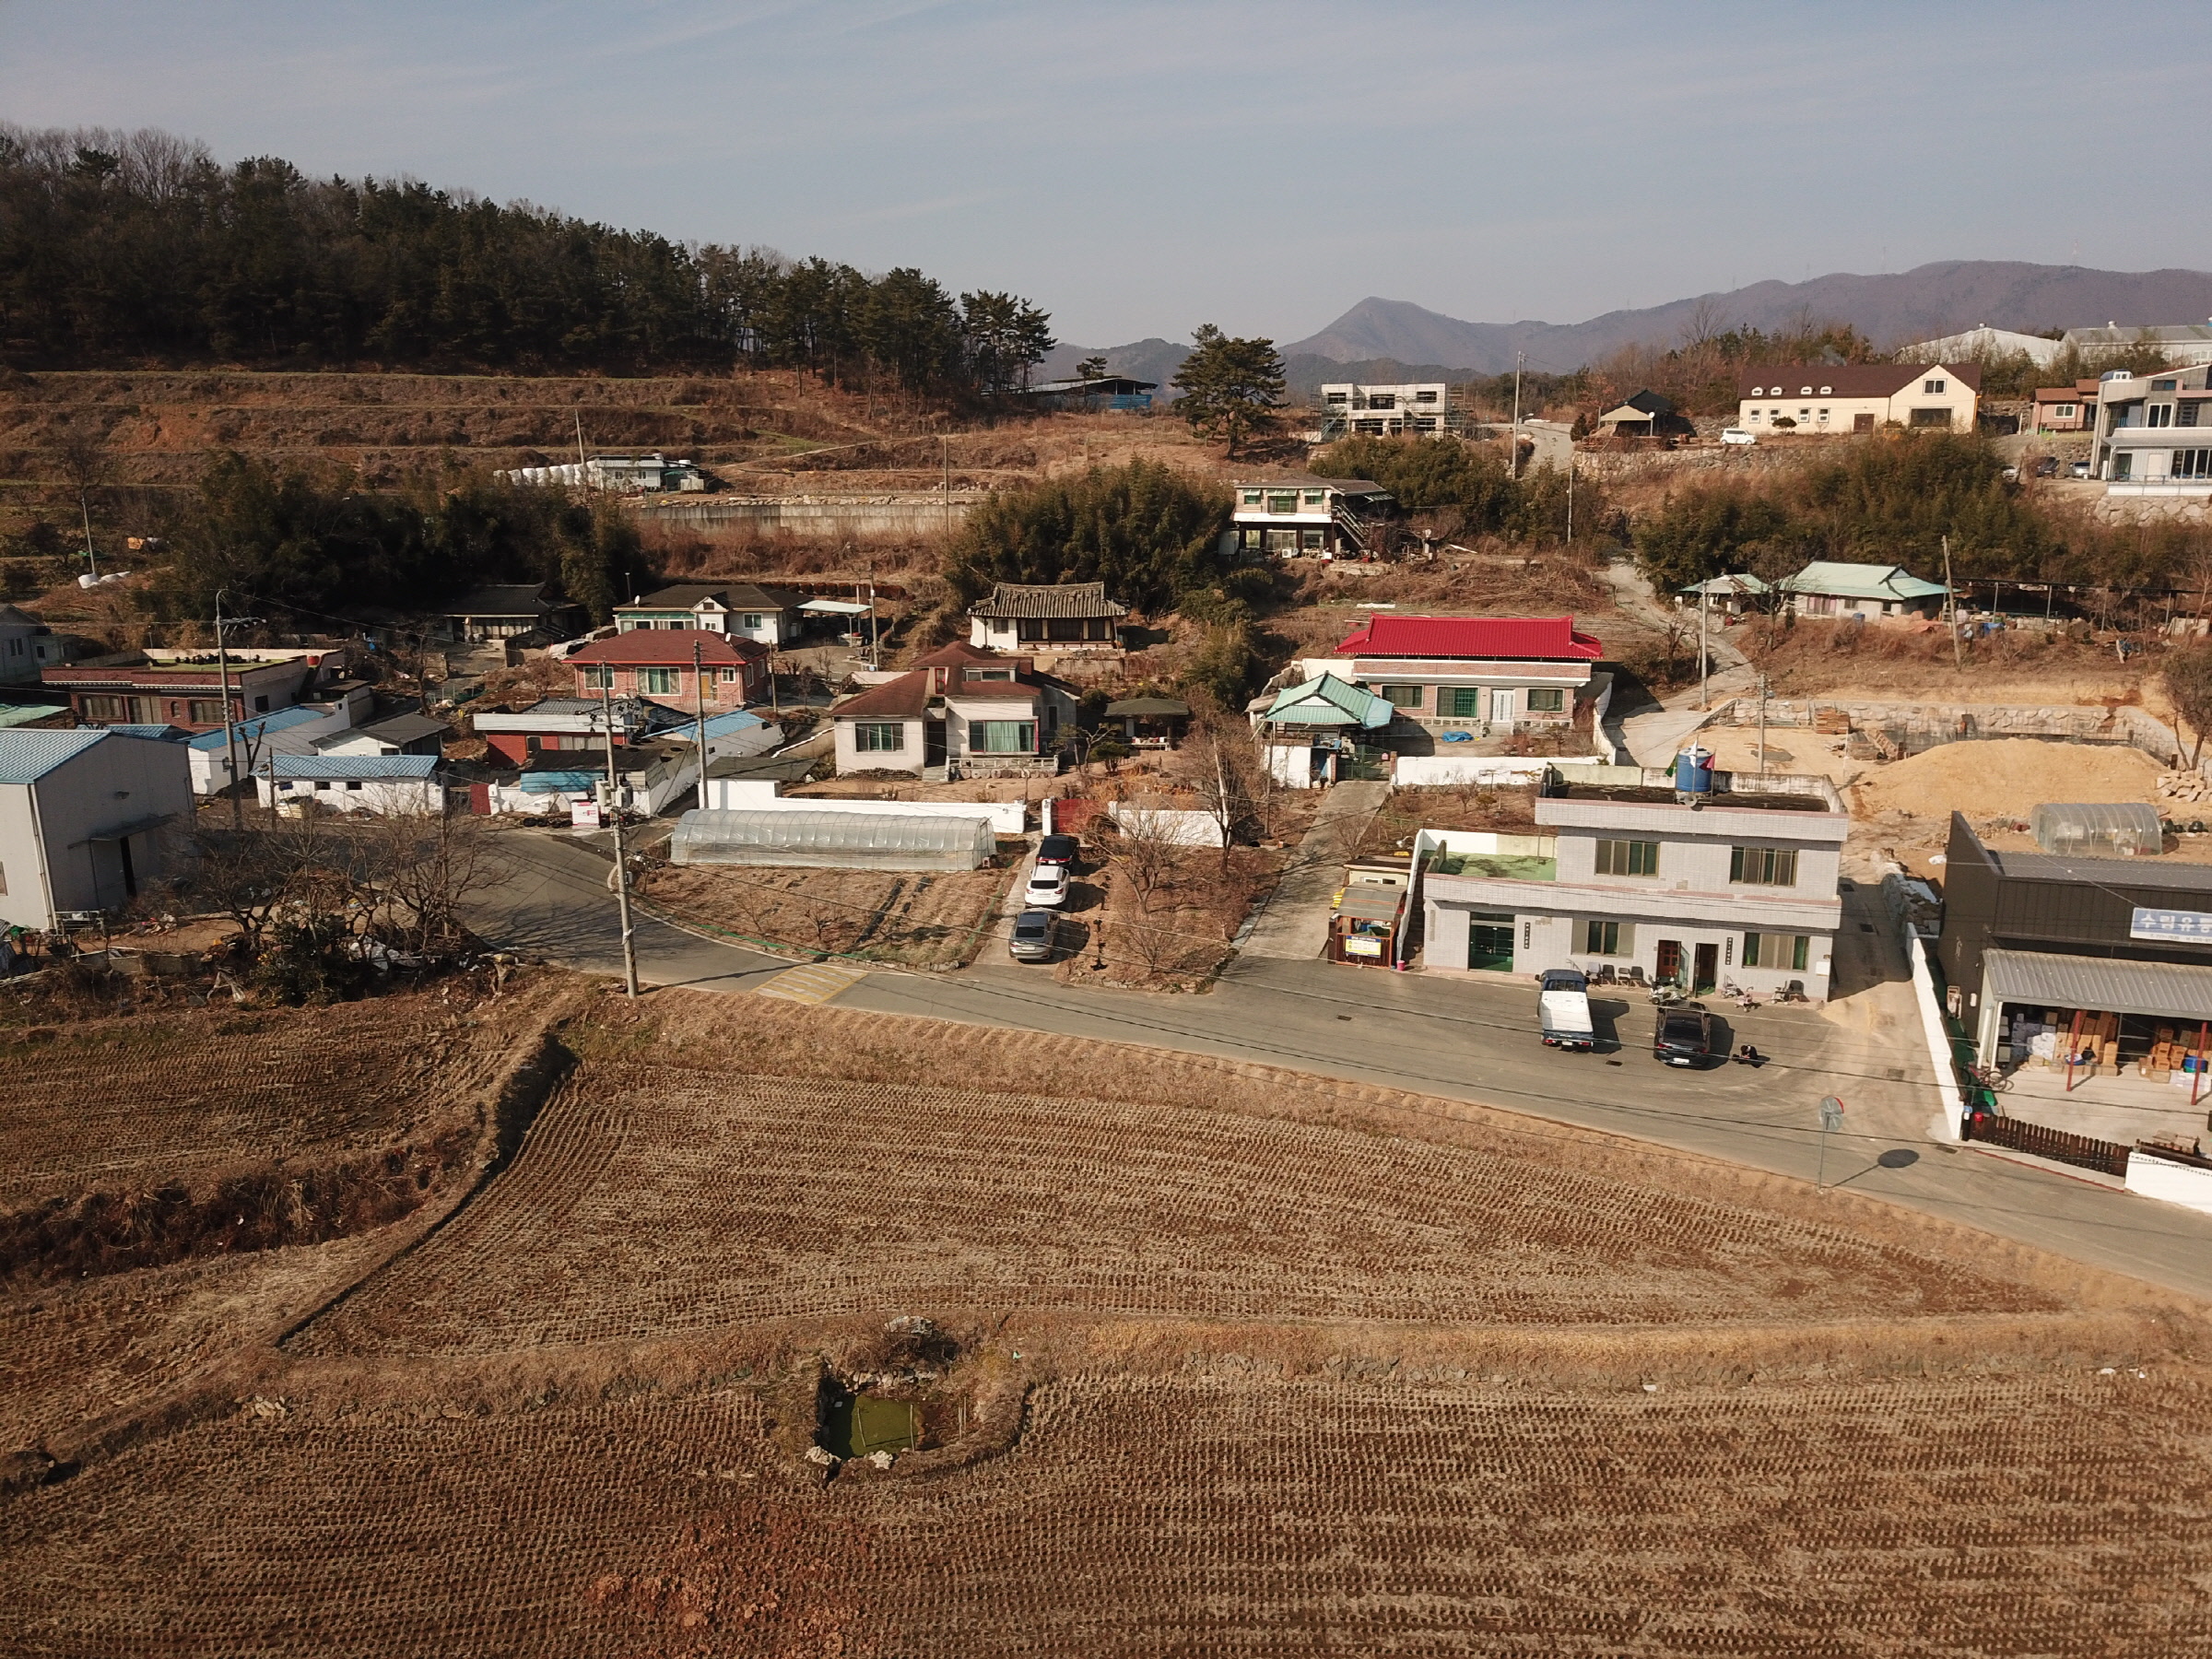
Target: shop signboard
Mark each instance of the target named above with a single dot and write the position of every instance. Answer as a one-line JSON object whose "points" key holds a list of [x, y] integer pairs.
{"points": [[2184, 926]]}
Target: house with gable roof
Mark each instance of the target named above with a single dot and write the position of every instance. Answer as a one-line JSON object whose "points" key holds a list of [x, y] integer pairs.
{"points": [[85, 818], [960, 709], [1457, 673], [1868, 591]]}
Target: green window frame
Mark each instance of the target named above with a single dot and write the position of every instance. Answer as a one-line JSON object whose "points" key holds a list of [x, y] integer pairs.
{"points": [[1763, 866], [656, 682], [1773, 951], [598, 677], [1002, 737], [1609, 938], [1627, 858], [1401, 697], [1547, 701], [879, 736], [1251, 497], [1461, 702]]}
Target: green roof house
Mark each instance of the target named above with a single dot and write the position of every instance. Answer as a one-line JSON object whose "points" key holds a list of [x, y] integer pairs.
{"points": [[1327, 701], [1827, 589]]}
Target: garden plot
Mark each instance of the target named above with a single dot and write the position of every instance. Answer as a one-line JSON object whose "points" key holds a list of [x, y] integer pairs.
{"points": [[918, 921], [654, 1202]]}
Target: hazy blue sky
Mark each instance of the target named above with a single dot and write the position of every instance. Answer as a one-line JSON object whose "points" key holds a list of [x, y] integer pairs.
{"points": [[1138, 167]]}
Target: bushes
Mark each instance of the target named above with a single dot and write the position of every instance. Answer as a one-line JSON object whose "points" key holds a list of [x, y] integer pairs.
{"points": [[1146, 530]]}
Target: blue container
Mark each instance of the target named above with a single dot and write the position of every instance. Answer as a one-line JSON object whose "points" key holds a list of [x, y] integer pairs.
{"points": [[1693, 771]]}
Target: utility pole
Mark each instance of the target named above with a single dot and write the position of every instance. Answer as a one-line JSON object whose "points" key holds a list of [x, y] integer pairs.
{"points": [[1705, 662], [699, 682], [614, 806], [1570, 492], [874, 622], [944, 462], [582, 465], [1951, 609], [222, 667], [1513, 470], [1762, 725], [91, 559]]}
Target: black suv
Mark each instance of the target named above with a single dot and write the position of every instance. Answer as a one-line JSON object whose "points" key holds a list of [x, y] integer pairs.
{"points": [[1683, 1036], [1058, 849]]}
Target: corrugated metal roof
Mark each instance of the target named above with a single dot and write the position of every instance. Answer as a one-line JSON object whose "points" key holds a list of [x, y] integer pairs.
{"points": [[26, 757], [309, 767], [1490, 638], [1329, 701], [15, 714], [2162, 990], [1860, 581], [281, 721], [159, 734], [669, 647], [2122, 873]]}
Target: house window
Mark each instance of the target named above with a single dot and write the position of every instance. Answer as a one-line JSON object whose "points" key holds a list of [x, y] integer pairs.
{"points": [[1805, 414], [1935, 388], [1751, 418], [1401, 697], [1283, 503], [1381, 400], [353, 783], [656, 682], [752, 620], [1777, 950], [1931, 417], [729, 677], [1316, 498], [991, 674], [1004, 738], [2187, 416], [2159, 415], [1460, 702], [1543, 701], [109, 707], [1424, 397], [2164, 385], [2065, 411], [1824, 414], [1763, 866], [204, 711], [598, 677], [2191, 464], [1609, 938], [879, 737], [1311, 540], [2123, 466], [1826, 392], [1627, 858], [1251, 497]]}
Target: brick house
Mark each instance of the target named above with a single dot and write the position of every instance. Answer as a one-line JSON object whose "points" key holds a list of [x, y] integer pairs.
{"points": [[676, 665]]}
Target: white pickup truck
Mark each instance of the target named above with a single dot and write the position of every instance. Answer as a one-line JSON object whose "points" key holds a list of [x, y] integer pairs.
{"points": [[1563, 1004]]}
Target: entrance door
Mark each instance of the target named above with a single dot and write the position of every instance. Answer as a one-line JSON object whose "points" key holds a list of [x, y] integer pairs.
{"points": [[1491, 942], [1669, 966], [1862, 423], [1708, 973], [1502, 708]]}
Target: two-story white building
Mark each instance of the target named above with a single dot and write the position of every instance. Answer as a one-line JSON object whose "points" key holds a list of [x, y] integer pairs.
{"points": [[1826, 398], [1620, 870], [1473, 673], [1349, 410], [2154, 433], [1320, 518]]}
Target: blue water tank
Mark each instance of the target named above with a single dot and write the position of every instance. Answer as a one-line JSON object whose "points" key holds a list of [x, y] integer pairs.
{"points": [[1693, 771]]}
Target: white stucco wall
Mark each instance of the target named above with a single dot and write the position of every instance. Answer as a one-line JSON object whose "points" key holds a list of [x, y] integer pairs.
{"points": [[48, 856]]}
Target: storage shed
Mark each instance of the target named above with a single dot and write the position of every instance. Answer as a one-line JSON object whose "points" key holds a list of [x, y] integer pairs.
{"points": [[832, 840], [2101, 828]]}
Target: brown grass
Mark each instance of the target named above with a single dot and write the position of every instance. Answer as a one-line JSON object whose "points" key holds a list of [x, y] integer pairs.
{"points": [[917, 920]]}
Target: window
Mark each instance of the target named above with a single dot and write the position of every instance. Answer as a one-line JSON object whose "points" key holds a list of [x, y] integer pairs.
{"points": [[2123, 466], [1752, 418], [656, 682], [991, 674], [2188, 413], [1317, 497], [1311, 540], [1004, 738], [1401, 697], [1826, 392], [1381, 400], [1251, 497], [1460, 702], [322, 786], [752, 619], [353, 783], [1609, 938], [1931, 417], [260, 705], [1758, 391], [2191, 464], [729, 677], [1763, 866], [879, 737], [1336, 397], [204, 711], [597, 677], [1824, 414], [1283, 503], [109, 707], [1935, 388], [1802, 391], [1543, 701], [2065, 411], [1805, 414], [2164, 385], [2159, 415], [1424, 397], [1777, 950], [1627, 858]]}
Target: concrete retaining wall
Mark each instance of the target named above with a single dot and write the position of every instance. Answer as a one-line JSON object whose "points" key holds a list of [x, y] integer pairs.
{"points": [[1926, 724], [817, 516], [2170, 1179]]}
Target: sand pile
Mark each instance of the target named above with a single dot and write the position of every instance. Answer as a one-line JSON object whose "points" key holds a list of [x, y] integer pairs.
{"points": [[2006, 778]]}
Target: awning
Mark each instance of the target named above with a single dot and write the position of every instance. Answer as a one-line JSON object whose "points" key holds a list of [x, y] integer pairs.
{"points": [[834, 608], [2162, 990], [125, 832]]}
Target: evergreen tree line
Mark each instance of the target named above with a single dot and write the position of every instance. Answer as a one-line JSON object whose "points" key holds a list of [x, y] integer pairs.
{"points": [[135, 247]]}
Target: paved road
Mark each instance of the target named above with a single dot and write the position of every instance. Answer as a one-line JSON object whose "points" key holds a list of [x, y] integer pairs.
{"points": [[1470, 1038], [1293, 924]]}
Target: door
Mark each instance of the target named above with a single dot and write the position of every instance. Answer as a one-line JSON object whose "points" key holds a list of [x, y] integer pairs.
{"points": [[1502, 708], [1862, 423], [1491, 942], [1708, 973], [1668, 967]]}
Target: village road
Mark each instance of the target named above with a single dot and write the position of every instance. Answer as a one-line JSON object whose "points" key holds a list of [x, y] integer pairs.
{"points": [[1462, 1039]]}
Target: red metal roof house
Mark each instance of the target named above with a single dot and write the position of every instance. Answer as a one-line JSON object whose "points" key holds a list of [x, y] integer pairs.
{"points": [[1469, 672], [658, 662]]}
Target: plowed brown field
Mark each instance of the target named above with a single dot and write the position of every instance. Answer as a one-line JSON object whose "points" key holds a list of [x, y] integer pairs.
{"points": [[1232, 1361]]}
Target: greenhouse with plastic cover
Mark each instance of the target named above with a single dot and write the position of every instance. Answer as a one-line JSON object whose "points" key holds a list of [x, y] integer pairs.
{"points": [[2102, 828], [832, 840]]}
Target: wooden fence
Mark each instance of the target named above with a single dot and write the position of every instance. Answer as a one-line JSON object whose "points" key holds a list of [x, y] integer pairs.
{"points": [[2062, 1147]]}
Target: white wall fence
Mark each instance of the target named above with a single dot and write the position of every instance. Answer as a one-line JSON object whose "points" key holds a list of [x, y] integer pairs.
{"points": [[755, 794], [1177, 828], [2170, 1179], [1483, 771]]}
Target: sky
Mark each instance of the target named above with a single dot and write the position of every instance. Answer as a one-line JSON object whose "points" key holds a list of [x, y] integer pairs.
{"points": [[1140, 168]]}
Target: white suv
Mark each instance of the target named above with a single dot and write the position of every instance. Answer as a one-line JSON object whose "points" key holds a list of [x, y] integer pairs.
{"points": [[1047, 889]]}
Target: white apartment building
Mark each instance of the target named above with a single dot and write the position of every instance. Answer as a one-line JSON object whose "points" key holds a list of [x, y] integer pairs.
{"points": [[2154, 435], [1621, 871], [1318, 517], [1821, 398]]}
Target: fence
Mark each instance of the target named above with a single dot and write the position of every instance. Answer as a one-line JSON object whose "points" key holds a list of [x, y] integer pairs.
{"points": [[2082, 1152]]}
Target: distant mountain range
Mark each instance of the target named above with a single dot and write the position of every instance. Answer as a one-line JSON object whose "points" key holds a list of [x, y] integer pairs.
{"points": [[1896, 309]]}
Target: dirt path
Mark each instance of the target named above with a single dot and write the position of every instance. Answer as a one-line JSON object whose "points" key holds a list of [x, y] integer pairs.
{"points": [[1294, 923]]}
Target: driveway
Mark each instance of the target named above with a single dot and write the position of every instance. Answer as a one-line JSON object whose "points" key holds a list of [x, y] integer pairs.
{"points": [[1293, 924]]}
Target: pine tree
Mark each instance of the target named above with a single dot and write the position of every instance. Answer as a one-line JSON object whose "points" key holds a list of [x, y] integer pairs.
{"points": [[1230, 387]]}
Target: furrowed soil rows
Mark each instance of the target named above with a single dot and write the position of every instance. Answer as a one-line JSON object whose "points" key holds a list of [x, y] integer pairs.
{"points": [[1953, 1518], [655, 1201]]}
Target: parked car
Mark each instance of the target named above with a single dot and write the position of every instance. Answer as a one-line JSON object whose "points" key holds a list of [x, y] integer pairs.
{"points": [[1683, 1036], [1035, 937], [1058, 849], [1737, 435], [2080, 469], [1563, 1009], [2011, 474], [2047, 468], [1048, 886]]}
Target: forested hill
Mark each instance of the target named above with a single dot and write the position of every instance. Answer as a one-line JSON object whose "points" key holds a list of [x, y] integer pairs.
{"points": [[140, 248]]}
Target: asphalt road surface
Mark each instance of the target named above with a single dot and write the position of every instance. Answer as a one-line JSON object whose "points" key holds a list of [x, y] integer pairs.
{"points": [[1472, 1039]]}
